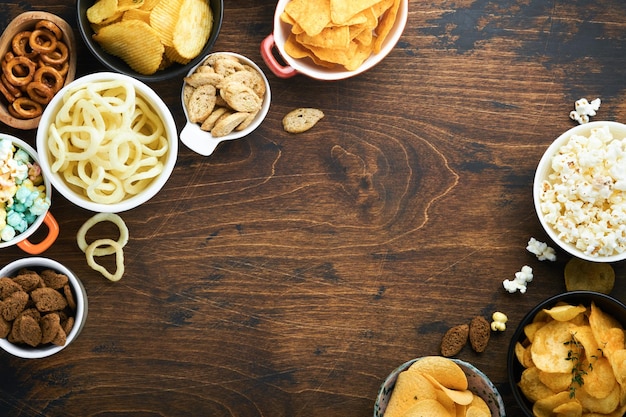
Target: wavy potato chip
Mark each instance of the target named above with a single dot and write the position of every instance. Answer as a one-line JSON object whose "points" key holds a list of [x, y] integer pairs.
{"points": [[101, 11], [193, 28], [135, 42], [163, 18]]}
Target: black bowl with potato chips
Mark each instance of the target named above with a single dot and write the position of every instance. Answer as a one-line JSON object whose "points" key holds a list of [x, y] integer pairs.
{"points": [[568, 356], [150, 40]]}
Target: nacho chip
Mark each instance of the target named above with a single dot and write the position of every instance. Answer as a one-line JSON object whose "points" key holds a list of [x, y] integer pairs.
{"points": [[341, 11], [312, 16], [135, 42], [385, 25]]}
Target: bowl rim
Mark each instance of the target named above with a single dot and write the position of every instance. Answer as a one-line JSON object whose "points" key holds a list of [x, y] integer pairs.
{"points": [[191, 131], [514, 368], [543, 168], [68, 35], [390, 381], [306, 67], [19, 143], [115, 64], [169, 163], [80, 318]]}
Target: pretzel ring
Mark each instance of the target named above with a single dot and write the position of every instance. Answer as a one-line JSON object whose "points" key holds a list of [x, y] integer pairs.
{"points": [[51, 26], [50, 77], [62, 69], [119, 258], [14, 70], [39, 92], [25, 108], [16, 92], [20, 44], [6, 93], [58, 56], [42, 41]]}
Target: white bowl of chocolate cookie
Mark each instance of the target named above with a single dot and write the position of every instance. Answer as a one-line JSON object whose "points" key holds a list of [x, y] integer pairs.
{"points": [[43, 307], [225, 97]]}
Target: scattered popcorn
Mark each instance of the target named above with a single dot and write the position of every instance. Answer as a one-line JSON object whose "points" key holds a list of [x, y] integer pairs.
{"points": [[522, 278], [584, 198], [584, 110], [499, 321], [22, 192], [541, 250]]}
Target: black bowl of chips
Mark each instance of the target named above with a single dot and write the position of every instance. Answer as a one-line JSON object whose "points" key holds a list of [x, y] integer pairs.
{"points": [[568, 354], [131, 37]]}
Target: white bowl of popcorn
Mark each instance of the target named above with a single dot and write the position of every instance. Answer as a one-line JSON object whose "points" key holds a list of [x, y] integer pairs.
{"points": [[579, 191]]}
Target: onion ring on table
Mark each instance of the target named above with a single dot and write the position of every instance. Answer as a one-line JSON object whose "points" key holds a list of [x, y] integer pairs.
{"points": [[51, 26], [42, 41], [13, 68], [39, 92], [25, 108], [81, 235], [20, 44], [119, 258], [57, 56], [49, 76]]}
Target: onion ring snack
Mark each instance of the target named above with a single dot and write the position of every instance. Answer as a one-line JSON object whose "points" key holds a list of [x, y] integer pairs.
{"points": [[106, 141], [81, 236]]}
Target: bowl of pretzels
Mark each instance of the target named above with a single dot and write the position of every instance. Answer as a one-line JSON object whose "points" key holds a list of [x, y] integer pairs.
{"points": [[37, 52]]}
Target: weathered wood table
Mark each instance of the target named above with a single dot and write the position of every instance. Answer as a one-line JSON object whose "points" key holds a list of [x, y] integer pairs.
{"points": [[287, 275]]}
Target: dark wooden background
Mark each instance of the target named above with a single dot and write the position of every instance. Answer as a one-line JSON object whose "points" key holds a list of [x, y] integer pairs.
{"points": [[287, 275]]}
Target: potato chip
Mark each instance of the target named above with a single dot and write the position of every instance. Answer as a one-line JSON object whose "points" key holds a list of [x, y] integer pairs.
{"points": [[427, 408], [193, 28], [551, 347], [480, 405], [410, 387], [124, 5], [555, 381], [524, 355], [545, 406], [532, 387], [565, 312], [149, 4], [163, 18], [599, 380], [444, 370], [591, 276], [531, 328], [603, 405], [135, 42], [137, 14], [101, 11], [569, 409]]}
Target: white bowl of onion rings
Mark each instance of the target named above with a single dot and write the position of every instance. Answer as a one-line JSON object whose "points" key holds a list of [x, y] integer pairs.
{"points": [[107, 142]]}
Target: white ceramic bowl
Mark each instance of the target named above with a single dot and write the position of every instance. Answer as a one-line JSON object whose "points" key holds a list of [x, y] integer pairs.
{"points": [[544, 168], [203, 142], [477, 382], [38, 264], [306, 66], [79, 198], [21, 239]]}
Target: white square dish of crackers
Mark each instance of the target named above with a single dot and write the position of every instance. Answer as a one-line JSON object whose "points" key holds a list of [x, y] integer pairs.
{"points": [[225, 97]]}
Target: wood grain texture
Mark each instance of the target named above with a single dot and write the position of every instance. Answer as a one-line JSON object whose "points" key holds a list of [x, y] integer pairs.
{"points": [[287, 275]]}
